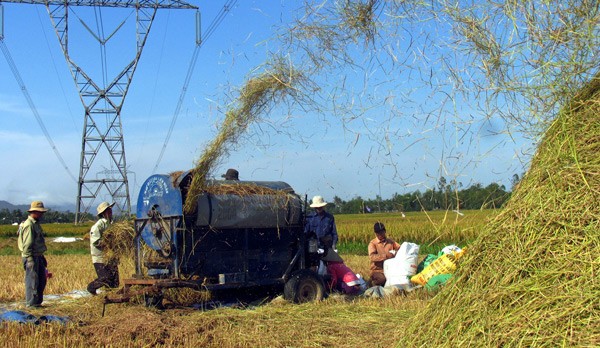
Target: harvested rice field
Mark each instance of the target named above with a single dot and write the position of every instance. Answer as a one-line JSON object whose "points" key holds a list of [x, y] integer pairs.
{"points": [[338, 321]]}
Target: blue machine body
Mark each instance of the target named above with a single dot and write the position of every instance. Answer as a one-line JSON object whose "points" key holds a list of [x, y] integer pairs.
{"points": [[159, 193], [230, 239]]}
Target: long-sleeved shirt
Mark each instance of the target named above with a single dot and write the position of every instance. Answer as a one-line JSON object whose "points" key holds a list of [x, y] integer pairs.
{"points": [[342, 277], [95, 239], [31, 240], [322, 225], [379, 251]]}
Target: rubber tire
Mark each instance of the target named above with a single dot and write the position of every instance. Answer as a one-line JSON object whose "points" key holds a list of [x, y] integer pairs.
{"points": [[304, 286]]}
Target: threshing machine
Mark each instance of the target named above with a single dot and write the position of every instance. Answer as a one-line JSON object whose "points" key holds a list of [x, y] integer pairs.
{"points": [[240, 235]]}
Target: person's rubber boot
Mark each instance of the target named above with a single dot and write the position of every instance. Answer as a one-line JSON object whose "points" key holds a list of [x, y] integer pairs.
{"points": [[92, 290]]}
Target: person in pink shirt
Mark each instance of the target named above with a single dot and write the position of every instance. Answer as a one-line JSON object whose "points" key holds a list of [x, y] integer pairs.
{"points": [[342, 277]]}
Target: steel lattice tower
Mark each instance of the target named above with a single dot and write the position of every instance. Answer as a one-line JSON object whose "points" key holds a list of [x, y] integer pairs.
{"points": [[102, 128]]}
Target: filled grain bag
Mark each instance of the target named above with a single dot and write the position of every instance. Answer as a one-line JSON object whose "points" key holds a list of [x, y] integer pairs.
{"points": [[398, 270]]}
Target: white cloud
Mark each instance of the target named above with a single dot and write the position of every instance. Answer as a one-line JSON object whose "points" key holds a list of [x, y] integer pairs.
{"points": [[9, 105]]}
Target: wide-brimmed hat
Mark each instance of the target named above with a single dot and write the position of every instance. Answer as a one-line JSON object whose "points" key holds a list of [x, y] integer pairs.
{"points": [[332, 256], [37, 206], [102, 207], [318, 202], [231, 174]]}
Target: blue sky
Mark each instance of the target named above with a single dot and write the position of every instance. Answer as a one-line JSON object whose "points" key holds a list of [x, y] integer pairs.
{"points": [[378, 152]]}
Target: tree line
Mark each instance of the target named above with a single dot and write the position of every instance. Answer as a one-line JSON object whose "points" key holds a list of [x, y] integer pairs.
{"points": [[446, 196], [8, 217]]}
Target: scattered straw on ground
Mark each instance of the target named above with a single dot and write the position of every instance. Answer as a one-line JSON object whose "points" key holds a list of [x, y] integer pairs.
{"points": [[185, 296], [531, 279]]}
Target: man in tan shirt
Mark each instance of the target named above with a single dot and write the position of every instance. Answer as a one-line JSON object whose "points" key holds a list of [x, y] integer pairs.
{"points": [[33, 246], [107, 270], [381, 248]]}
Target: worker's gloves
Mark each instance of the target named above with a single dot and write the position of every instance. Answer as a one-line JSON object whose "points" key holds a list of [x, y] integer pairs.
{"points": [[29, 263]]}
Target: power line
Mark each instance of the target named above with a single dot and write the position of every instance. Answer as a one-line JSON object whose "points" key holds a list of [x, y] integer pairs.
{"points": [[179, 103], [154, 88], [219, 18], [17, 76], [56, 70], [211, 29]]}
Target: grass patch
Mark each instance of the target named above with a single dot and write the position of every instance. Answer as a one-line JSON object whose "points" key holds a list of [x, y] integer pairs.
{"points": [[360, 248], [353, 248], [8, 246], [51, 230], [6, 250], [69, 252]]}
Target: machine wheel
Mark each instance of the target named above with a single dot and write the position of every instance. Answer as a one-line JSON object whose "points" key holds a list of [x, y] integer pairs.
{"points": [[304, 286]]}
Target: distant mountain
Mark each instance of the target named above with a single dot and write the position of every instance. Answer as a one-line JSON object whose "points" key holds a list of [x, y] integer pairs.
{"points": [[63, 207], [25, 207], [60, 208], [11, 207]]}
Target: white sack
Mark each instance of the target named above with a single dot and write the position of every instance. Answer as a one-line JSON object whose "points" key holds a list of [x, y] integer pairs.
{"points": [[66, 239], [398, 270]]}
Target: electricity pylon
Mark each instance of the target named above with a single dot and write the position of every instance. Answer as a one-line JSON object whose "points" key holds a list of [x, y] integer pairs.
{"points": [[102, 128]]}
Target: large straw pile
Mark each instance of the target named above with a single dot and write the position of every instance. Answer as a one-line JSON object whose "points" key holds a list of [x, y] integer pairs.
{"points": [[256, 97], [532, 278]]}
